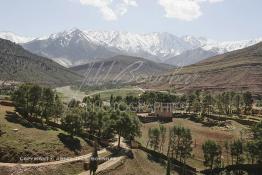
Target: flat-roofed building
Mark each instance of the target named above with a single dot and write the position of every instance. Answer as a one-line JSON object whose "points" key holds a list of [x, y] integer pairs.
{"points": [[163, 109]]}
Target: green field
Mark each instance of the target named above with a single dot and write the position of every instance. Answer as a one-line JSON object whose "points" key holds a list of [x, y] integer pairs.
{"points": [[105, 94], [68, 93]]}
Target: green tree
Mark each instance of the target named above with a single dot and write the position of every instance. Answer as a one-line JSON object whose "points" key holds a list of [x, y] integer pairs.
{"points": [[236, 149], [155, 140], [257, 137], [58, 108], [226, 146], [237, 100], [252, 151], [21, 99], [34, 96], [126, 126], [190, 101], [212, 154], [71, 122], [162, 130], [185, 147], [47, 104], [149, 135], [248, 101]]}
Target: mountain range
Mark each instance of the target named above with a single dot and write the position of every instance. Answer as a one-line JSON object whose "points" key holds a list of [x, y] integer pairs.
{"points": [[76, 47]]}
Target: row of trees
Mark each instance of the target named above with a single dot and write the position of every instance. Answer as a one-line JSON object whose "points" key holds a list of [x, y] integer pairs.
{"points": [[39, 102], [100, 121], [226, 103], [179, 142]]}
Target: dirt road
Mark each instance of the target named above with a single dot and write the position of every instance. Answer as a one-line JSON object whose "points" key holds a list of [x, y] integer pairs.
{"points": [[74, 159]]}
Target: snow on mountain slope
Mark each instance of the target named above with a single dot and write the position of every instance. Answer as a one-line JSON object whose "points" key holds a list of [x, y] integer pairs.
{"points": [[14, 37], [75, 46], [154, 44], [228, 46]]}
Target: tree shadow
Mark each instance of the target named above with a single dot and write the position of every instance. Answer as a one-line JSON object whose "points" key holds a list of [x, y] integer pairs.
{"points": [[14, 118], [70, 142], [156, 159]]}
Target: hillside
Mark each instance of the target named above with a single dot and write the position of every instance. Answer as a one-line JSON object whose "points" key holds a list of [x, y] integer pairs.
{"points": [[34, 140], [120, 69], [190, 57], [239, 70], [20, 65]]}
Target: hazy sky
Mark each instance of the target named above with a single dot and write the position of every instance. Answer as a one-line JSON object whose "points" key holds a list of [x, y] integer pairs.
{"points": [[216, 19]]}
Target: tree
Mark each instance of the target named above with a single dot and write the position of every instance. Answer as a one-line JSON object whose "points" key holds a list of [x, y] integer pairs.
{"points": [[226, 102], [212, 154], [162, 130], [185, 147], [168, 168], [196, 105], [257, 131], [47, 103], [257, 137], [58, 108], [72, 122], [93, 161], [190, 100], [236, 149], [248, 101], [226, 145], [34, 96], [21, 99], [33, 100], [149, 135], [252, 150], [126, 126], [219, 104], [206, 104], [237, 100], [155, 140]]}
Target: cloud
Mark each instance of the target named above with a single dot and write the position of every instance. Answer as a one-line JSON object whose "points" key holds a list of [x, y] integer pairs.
{"points": [[186, 10], [111, 10]]}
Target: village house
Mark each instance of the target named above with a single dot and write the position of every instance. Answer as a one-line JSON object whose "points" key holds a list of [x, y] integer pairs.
{"points": [[163, 109]]}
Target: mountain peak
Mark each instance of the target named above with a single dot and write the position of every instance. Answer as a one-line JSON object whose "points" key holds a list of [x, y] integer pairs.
{"points": [[14, 37]]}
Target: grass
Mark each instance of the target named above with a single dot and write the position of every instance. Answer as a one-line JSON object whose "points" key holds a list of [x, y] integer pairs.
{"points": [[68, 93], [33, 141], [199, 134], [105, 94]]}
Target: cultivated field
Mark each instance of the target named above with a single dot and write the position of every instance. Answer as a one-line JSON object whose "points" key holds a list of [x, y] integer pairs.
{"points": [[200, 134]]}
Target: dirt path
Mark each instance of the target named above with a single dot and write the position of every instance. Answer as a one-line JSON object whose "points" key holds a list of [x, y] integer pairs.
{"points": [[106, 165], [74, 159]]}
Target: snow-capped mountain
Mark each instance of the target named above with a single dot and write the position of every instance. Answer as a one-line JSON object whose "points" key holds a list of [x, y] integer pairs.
{"points": [[14, 37], [74, 47]]}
